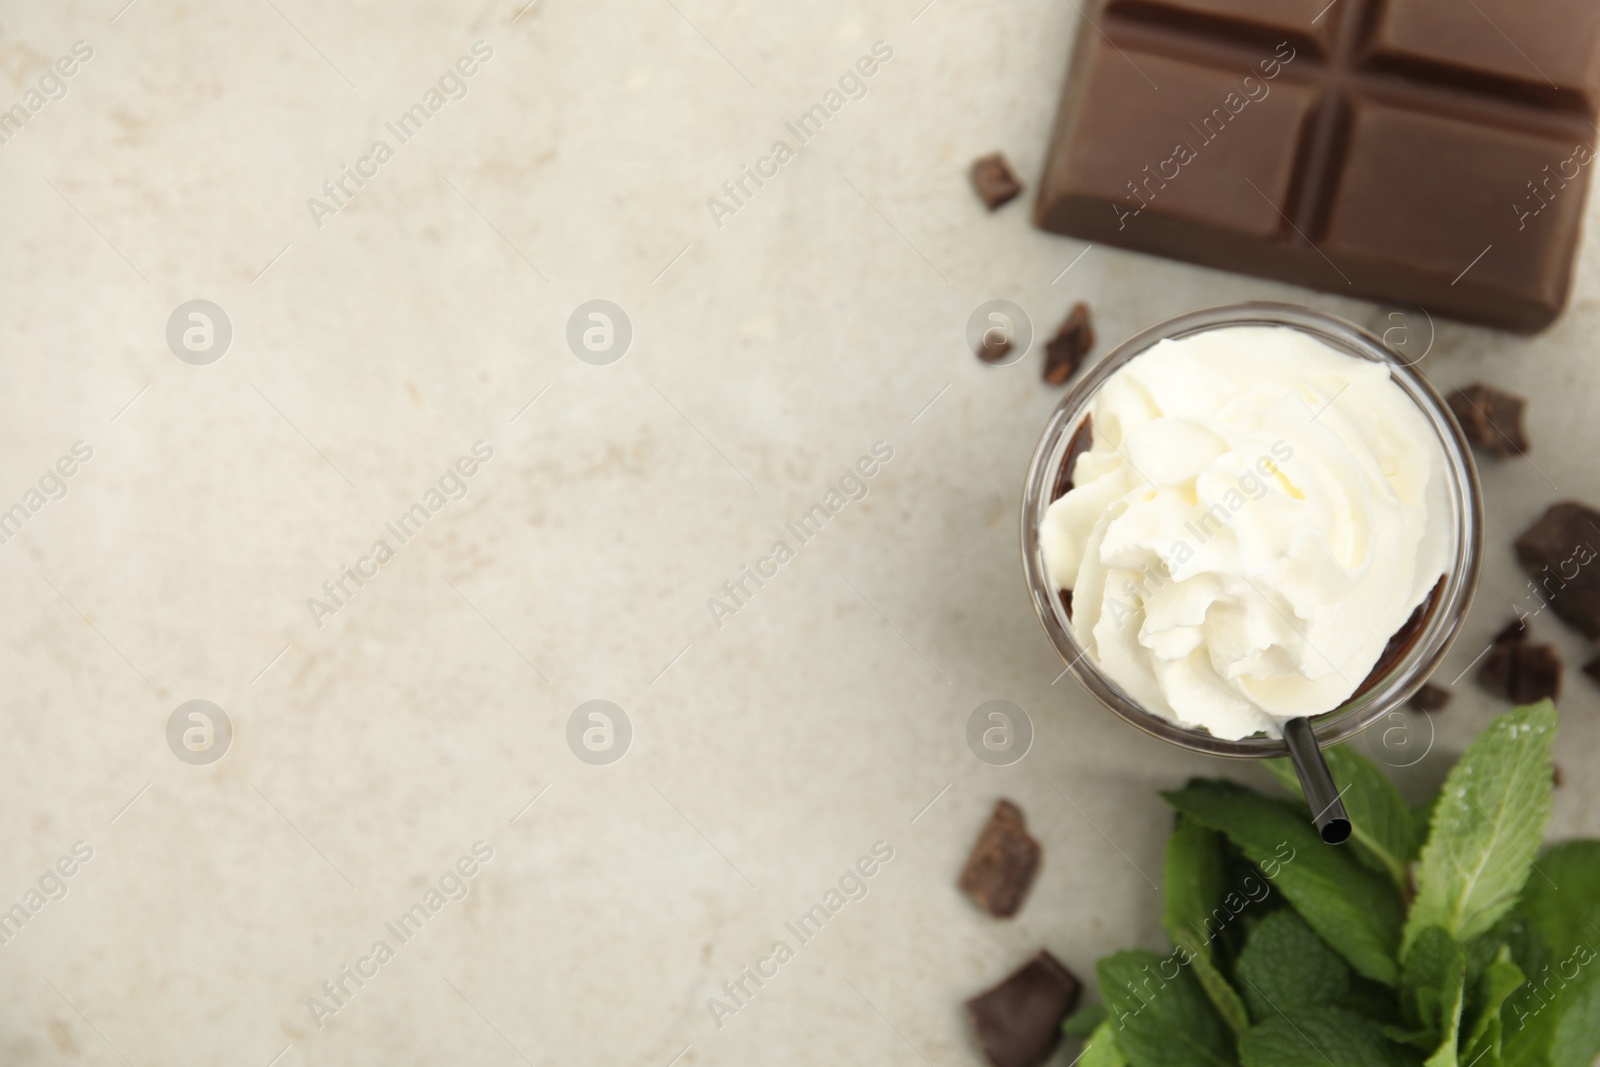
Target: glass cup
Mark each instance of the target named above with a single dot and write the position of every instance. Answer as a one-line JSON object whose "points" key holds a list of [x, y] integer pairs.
{"points": [[1444, 612]]}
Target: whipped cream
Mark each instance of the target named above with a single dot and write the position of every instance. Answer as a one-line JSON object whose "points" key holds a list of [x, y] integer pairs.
{"points": [[1258, 514]]}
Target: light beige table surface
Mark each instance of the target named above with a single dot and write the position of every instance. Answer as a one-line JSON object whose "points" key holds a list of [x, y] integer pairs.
{"points": [[428, 712]]}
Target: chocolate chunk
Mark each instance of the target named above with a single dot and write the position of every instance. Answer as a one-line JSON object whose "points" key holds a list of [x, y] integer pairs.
{"points": [[1522, 672], [1592, 669], [1513, 631], [1430, 697], [1557, 779], [1000, 870], [1019, 1021], [992, 178], [1066, 602], [1491, 418], [1068, 347], [1558, 552], [995, 347], [1299, 141]]}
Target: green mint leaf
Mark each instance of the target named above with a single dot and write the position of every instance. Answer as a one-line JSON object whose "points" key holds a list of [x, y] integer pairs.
{"points": [[1101, 1049], [1554, 1019], [1484, 1055], [1487, 947], [1424, 1040], [1422, 816], [1382, 829], [1446, 1055], [1450, 1000], [1562, 899], [1161, 1016], [1500, 979], [1432, 980], [1376, 1002], [1322, 1037], [1083, 1022], [1527, 1027], [1283, 771], [1550, 1025], [1487, 827], [1354, 909], [1285, 967], [1199, 907], [1577, 1036], [1527, 947]]}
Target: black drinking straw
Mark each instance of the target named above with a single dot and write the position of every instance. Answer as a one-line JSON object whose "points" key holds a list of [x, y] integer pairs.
{"points": [[1327, 807]]}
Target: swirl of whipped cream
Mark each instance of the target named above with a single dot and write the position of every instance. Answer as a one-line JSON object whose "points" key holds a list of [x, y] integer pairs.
{"points": [[1258, 514]]}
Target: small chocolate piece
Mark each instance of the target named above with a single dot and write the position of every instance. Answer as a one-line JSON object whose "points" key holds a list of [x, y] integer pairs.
{"points": [[1592, 669], [1491, 418], [1513, 631], [995, 347], [1558, 552], [1430, 697], [1019, 1021], [1557, 779], [1066, 602], [1000, 870], [994, 181], [1068, 347], [1522, 672]]}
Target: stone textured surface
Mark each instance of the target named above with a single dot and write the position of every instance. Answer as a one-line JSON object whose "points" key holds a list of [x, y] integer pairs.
{"points": [[768, 354]]}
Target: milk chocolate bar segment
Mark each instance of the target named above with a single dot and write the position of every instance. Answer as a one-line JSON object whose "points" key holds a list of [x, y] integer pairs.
{"points": [[1428, 204], [1303, 24], [1138, 165], [1350, 146], [1542, 51]]}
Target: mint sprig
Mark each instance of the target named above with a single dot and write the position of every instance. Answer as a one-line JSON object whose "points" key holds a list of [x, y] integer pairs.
{"points": [[1443, 937]]}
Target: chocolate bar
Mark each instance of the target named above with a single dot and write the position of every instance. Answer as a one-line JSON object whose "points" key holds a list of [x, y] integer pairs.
{"points": [[1402, 150]]}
